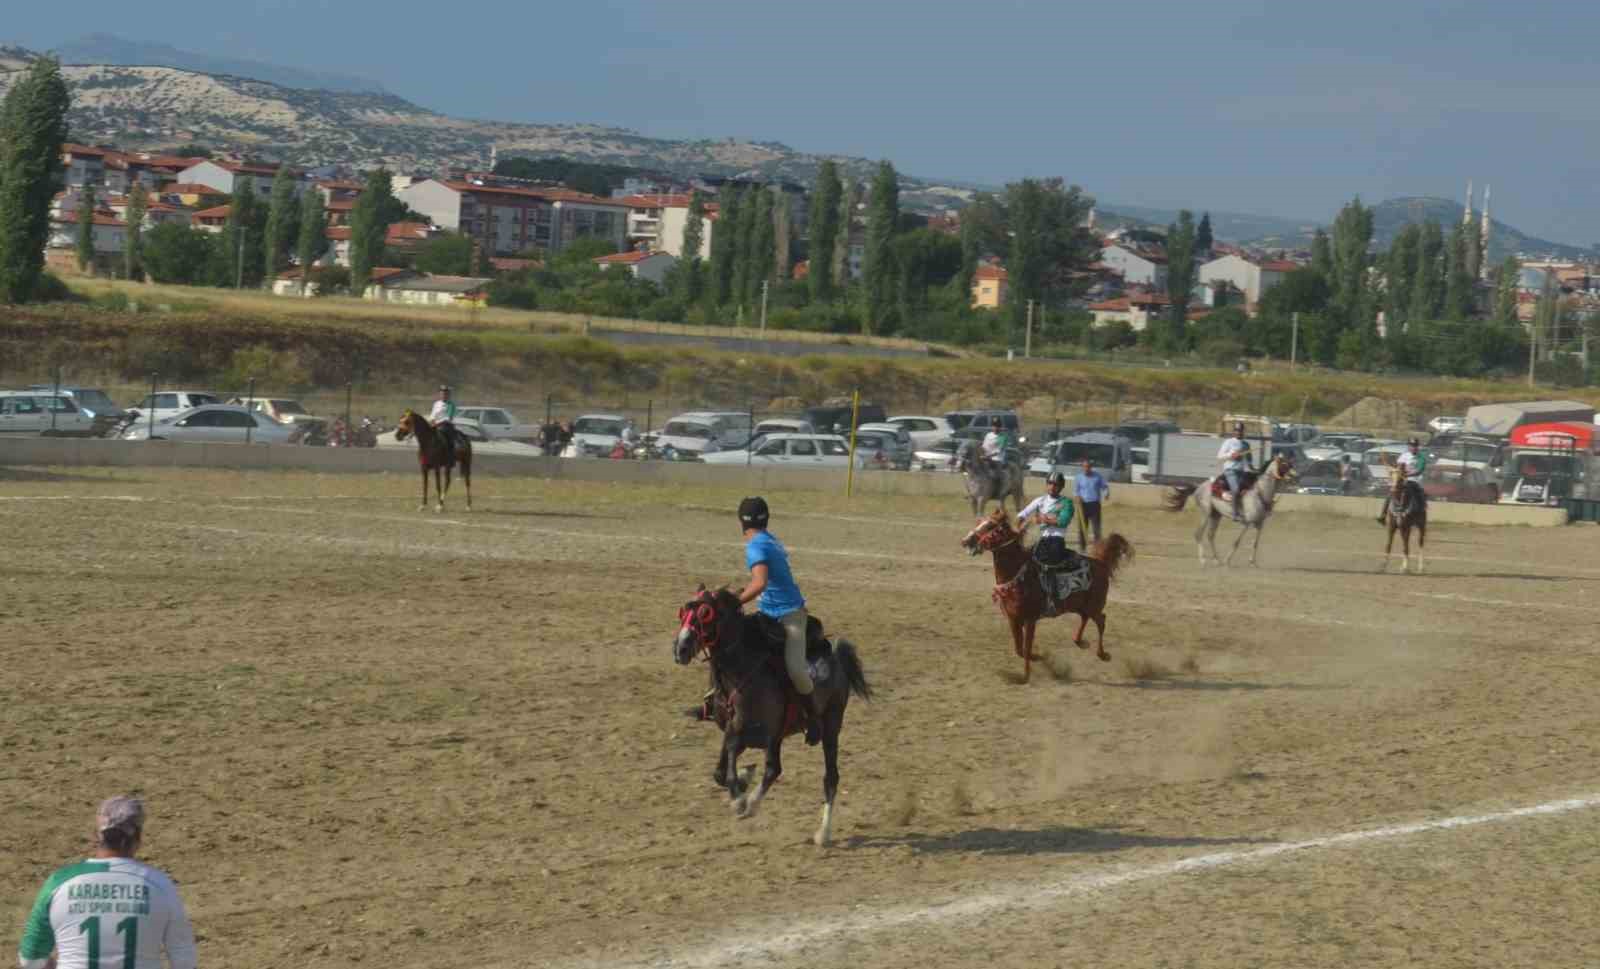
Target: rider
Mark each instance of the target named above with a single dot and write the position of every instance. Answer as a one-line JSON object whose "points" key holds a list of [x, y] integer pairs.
{"points": [[443, 414], [995, 444], [1052, 511], [1235, 458], [773, 589], [1411, 463]]}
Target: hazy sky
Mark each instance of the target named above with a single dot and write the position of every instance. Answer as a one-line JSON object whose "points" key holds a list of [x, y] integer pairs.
{"points": [[1283, 108]]}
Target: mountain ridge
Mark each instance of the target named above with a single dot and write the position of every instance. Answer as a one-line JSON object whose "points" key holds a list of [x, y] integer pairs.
{"points": [[107, 49]]}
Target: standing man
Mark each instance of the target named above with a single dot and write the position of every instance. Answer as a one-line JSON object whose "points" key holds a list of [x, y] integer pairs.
{"points": [[1235, 458], [773, 589], [1091, 489], [110, 910]]}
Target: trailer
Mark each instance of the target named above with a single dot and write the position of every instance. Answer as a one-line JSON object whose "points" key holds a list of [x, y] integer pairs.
{"points": [[1499, 420], [1180, 458], [1549, 464]]}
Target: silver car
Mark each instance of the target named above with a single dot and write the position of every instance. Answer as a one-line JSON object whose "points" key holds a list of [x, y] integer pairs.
{"points": [[217, 424]]}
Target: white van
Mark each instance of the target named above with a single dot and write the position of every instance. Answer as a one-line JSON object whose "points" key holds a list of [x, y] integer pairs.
{"points": [[698, 430], [32, 413]]}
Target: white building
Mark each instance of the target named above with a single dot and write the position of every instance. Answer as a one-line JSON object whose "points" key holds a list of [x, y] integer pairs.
{"points": [[431, 290], [226, 176], [653, 266], [1250, 277], [1137, 267], [657, 223], [506, 219]]}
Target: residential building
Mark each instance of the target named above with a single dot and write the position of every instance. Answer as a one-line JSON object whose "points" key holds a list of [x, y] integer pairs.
{"points": [[109, 234], [228, 175], [652, 266], [123, 170], [465, 291], [287, 282], [194, 194], [656, 223], [401, 236], [156, 212], [1252, 277], [1135, 309], [989, 283], [211, 220], [84, 164], [1137, 265], [508, 219]]}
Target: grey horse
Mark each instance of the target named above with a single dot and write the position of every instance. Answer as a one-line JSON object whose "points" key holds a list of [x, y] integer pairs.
{"points": [[985, 485], [1255, 510]]}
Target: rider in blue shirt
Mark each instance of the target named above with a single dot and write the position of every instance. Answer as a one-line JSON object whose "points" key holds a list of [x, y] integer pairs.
{"points": [[773, 589]]}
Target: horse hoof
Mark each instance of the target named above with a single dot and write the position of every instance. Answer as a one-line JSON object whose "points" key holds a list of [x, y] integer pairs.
{"points": [[1103, 656], [1080, 644], [422, 508], [821, 839]]}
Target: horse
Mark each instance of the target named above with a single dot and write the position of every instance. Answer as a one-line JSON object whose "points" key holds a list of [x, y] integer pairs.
{"points": [[1408, 509], [755, 703], [1256, 508], [985, 485], [1020, 593], [436, 454]]}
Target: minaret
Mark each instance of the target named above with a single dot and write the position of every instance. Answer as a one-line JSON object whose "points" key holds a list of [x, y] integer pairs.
{"points": [[1485, 230], [494, 156], [1466, 215]]}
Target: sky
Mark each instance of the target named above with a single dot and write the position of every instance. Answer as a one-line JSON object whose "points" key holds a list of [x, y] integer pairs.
{"points": [[1286, 108]]}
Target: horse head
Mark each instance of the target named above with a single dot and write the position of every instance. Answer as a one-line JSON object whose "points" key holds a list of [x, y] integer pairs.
{"points": [[704, 622], [1283, 468], [403, 429], [992, 531]]}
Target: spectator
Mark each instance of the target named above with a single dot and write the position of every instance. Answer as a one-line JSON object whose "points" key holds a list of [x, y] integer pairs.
{"points": [[550, 438], [1091, 488], [110, 910]]}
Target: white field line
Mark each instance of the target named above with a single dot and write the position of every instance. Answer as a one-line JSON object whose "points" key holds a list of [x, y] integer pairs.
{"points": [[749, 944], [1453, 597]]}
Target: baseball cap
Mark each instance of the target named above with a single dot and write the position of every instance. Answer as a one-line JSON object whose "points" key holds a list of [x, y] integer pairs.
{"points": [[123, 813]]}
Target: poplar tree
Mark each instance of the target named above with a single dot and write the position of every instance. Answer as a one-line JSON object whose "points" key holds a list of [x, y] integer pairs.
{"points": [[238, 261], [878, 270], [824, 230], [369, 228], [133, 249], [744, 259], [840, 268], [1180, 279], [1427, 283], [85, 242], [1400, 273], [693, 234], [313, 240], [1203, 240], [1458, 273], [725, 246], [33, 124], [764, 261], [1505, 303], [283, 217]]}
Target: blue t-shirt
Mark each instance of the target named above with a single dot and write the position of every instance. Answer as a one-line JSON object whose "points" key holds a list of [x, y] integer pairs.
{"points": [[781, 596]]}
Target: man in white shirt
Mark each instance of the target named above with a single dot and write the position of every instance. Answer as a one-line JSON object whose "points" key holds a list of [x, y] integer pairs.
{"points": [[994, 443], [1235, 458], [1411, 463], [109, 910], [443, 414], [1052, 512]]}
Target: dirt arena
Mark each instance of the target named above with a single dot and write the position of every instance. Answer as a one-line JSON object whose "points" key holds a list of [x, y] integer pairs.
{"points": [[371, 736]]}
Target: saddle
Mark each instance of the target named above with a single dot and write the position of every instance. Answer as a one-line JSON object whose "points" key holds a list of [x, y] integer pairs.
{"points": [[818, 652], [1219, 484], [817, 646], [1411, 496], [1063, 578]]}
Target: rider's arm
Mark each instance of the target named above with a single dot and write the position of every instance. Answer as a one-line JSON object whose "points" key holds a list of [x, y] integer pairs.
{"points": [[757, 584]]}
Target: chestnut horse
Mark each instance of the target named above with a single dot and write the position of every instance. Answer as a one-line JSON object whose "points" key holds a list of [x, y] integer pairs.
{"points": [[753, 700], [435, 454], [1020, 594], [1408, 509]]}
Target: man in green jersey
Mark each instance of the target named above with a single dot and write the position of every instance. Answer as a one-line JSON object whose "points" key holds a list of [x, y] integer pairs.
{"points": [[110, 910]]}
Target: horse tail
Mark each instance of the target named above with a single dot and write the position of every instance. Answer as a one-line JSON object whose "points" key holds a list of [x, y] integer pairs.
{"points": [[1112, 552], [845, 652], [1176, 497]]}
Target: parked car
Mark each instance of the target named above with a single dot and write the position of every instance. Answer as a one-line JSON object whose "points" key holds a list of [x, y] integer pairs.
{"points": [[1329, 447], [792, 450], [1461, 485], [91, 400], [1326, 478], [171, 403], [482, 443], [1378, 462], [782, 425], [880, 448], [964, 419], [1112, 455], [938, 456], [596, 435], [688, 433], [1139, 429], [284, 410], [924, 431], [834, 416], [216, 424], [497, 423], [34, 414], [1440, 425], [900, 453], [1465, 451]]}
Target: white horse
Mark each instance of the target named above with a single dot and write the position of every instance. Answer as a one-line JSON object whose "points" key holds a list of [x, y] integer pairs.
{"points": [[984, 485], [1256, 507]]}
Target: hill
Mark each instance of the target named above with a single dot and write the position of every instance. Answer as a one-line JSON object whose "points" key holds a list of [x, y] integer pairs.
{"points": [[100, 48], [1389, 217], [1227, 226]]}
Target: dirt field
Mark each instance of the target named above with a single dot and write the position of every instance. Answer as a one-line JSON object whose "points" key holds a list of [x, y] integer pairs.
{"points": [[373, 736]]}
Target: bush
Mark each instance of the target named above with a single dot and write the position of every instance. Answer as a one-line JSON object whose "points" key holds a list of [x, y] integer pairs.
{"points": [[330, 280], [273, 370], [50, 289], [1221, 351]]}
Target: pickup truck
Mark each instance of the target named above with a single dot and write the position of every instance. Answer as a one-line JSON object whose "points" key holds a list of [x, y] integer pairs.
{"points": [[499, 423]]}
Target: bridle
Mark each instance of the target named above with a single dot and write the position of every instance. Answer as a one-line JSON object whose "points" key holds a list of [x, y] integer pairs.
{"points": [[402, 430], [700, 618], [992, 534]]}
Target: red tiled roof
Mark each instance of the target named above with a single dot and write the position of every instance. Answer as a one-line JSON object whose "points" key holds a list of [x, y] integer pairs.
{"points": [[656, 201], [408, 231], [216, 212], [510, 264], [71, 149], [542, 194], [342, 186], [246, 168], [337, 233], [1111, 305], [192, 188], [627, 258], [1279, 266], [990, 272], [1149, 299], [99, 219]]}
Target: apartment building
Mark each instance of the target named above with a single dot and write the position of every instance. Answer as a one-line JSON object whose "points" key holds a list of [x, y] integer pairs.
{"points": [[506, 219]]}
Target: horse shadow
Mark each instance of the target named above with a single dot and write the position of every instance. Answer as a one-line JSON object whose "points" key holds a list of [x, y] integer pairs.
{"points": [[1213, 686], [1054, 840]]}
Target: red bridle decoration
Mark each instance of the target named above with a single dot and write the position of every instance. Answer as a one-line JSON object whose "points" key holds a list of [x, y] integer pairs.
{"points": [[700, 618], [991, 534]]}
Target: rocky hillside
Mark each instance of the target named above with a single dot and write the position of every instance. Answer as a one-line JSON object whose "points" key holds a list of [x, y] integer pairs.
{"points": [[153, 108]]}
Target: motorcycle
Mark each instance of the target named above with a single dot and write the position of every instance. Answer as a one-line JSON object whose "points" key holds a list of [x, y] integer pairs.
{"points": [[121, 425]]}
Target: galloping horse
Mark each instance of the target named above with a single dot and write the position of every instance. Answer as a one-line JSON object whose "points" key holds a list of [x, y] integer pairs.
{"points": [[1020, 593], [1256, 508], [754, 702], [436, 454], [985, 485], [1408, 509]]}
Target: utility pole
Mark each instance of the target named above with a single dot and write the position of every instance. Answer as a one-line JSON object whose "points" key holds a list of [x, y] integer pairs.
{"points": [[764, 284], [1027, 338], [1294, 341]]}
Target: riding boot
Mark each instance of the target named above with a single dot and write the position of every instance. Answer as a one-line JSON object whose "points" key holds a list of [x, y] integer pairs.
{"points": [[706, 709]]}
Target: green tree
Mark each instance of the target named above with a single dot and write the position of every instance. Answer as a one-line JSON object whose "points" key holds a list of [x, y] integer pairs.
{"points": [[283, 217], [693, 234], [926, 259], [448, 254], [237, 261], [375, 210], [1399, 277], [824, 230], [33, 124], [745, 258], [85, 240], [878, 269], [725, 246], [1181, 270], [1203, 240], [764, 261], [312, 241], [132, 250], [840, 266], [1322, 255], [1352, 235], [1427, 282], [177, 254], [1458, 274], [1046, 244], [1505, 301]]}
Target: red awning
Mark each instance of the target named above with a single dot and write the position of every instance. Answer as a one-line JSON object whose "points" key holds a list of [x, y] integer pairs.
{"points": [[1562, 434]]}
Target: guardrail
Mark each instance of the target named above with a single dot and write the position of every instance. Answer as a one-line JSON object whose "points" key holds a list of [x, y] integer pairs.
{"points": [[80, 452]]}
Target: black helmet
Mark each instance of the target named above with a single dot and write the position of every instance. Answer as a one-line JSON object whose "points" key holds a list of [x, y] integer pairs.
{"points": [[1056, 478], [1238, 429], [753, 513], [444, 388], [1414, 442], [995, 422]]}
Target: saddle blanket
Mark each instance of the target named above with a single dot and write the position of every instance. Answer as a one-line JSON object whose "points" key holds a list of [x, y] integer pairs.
{"points": [[1060, 584]]}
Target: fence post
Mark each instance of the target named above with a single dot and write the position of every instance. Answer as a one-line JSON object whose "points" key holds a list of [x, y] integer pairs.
{"points": [[155, 379], [250, 403], [855, 415]]}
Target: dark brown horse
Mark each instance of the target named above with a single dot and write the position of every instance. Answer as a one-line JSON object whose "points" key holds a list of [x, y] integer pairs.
{"points": [[1020, 594], [1408, 509], [436, 454], [754, 702]]}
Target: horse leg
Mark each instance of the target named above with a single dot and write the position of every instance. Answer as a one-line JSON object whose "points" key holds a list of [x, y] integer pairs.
{"points": [[1028, 631], [1234, 551], [1405, 549], [1083, 620], [1388, 549], [466, 479], [1257, 546], [424, 505], [832, 723], [1100, 638], [1018, 645], [1199, 542], [730, 754], [438, 490], [745, 807], [1422, 535], [719, 776]]}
